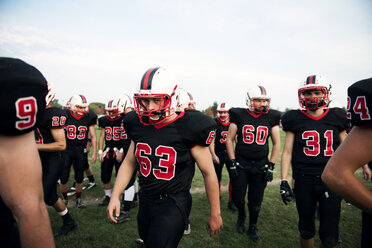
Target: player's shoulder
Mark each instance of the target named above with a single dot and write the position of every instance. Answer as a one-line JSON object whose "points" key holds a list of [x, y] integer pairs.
{"points": [[274, 113], [360, 102], [55, 111], [339, 112], [291, 114], [198, 119], [237, 111]]}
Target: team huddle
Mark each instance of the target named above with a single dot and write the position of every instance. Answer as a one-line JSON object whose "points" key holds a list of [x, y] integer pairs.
{"points": [[159, 137]]}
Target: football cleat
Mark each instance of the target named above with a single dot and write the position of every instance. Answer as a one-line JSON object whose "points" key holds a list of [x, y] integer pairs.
{"points": [[253, 233], [105, 201], [80, 204], [140, 241], [66, 228], [90, 185], [188, 230], [123, 217], [240, 224], [71, 191]]}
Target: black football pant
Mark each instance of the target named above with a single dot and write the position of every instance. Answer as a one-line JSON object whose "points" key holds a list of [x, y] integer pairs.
{"points": [[162, 219], [107, 165], [218, 167], [9, 236], [310, 190], [78, 158], [256, 184], [52, 166]]}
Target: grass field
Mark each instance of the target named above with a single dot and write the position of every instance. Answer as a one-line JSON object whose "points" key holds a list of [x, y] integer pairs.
{"points": [[277, 224]]}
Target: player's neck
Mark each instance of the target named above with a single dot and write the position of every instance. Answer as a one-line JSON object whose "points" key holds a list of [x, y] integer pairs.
{"points": [[315, 112]]}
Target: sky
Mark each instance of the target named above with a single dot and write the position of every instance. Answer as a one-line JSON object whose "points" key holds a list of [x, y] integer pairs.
{"points": [[216, 49]]}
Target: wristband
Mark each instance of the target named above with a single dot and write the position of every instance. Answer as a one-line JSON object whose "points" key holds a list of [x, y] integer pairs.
{"points": [[100, 152]]}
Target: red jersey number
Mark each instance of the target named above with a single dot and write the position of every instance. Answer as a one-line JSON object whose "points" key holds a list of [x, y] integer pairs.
{"points": [[167, 161], [313, 143], [262, 133], [26, 110]]}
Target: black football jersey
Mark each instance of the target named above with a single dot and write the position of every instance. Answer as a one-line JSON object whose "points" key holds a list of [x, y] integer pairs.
{"points": [[359, 103], [53, 118], [125, 139], [163, 151], [77, 128], [221, 135], [316, 138], [113, 131], [22, 96], [253, 132]]}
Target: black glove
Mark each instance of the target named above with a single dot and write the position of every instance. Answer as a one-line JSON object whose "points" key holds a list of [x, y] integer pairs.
{"points": [[233, 170], [269, 169], [286, 192]]}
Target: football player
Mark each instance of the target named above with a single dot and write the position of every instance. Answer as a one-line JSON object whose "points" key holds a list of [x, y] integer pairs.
{"points": [[110, 136], [218, 147], [125, 105], [354, 152], [80, 121], [166, 145], [312, 134], [249, 166], [22, 103], [51, 141]]}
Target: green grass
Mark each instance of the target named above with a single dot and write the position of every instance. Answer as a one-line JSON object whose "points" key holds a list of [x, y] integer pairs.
{"points": [[277, 223]]}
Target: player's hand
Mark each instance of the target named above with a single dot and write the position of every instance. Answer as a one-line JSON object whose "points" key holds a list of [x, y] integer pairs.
{"points": [[214, 225], [113, 209], [286, 192], [269, 170], [94, 158], [366, 173], [233, 168], [100, 158], [119, 155], [216, 159]]}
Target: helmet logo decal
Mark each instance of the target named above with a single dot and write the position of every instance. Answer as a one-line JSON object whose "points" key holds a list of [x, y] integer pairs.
{"points": [[147, 78]]}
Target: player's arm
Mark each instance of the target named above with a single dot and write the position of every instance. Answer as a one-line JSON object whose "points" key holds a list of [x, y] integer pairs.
{"points": [[24, 197], [59, 143], [124, 175], [354, 152], [275, 138], [92, 132], [233, 128], [203, 159], [101, 142], [287, 154], [211, 149]]}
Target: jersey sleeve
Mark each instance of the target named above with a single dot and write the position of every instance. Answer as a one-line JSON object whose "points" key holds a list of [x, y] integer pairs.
{"points": [[200, 129], [342, 121], [101, 122], [93, 118], [359, 103], [234, 115], [288, 121], [275, 117], [22, 96]]}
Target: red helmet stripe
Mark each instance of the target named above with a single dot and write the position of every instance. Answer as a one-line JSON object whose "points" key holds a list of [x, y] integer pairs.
{"points": [[83, 98], [263, 91], [190, 96], [223, 105], [110, 103], [310, 80], [147, 78]]}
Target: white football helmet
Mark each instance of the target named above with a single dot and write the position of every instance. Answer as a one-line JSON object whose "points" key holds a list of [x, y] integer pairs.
{"points": [[68, 104], [314, 82], [185, 101], [111, 110], [50, 95], [257, 100], [123, 102], [222, 112], [79, 105], [156, 84]]}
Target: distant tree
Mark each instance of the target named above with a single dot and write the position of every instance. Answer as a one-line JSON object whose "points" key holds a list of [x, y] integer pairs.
{"points": [[55, 103]]}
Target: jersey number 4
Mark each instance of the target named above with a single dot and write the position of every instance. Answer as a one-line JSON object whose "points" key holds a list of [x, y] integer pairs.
{"points": [[360, 108], [167, 161]]}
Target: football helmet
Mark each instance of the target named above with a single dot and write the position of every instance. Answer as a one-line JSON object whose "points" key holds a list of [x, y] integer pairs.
{"points": [[257, 100], [312, 83], [222, 112], [123, 102], [157, 85], [185, 100], [111, 110], [79, 105], [50, 95], [68, 104]]}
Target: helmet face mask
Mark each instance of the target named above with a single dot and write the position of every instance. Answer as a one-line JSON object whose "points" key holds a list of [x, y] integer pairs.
{"points": [[111, 110], [257, 100], [222, 112], [157, 97], [314, 93], [50, 95], [79, 105]]}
